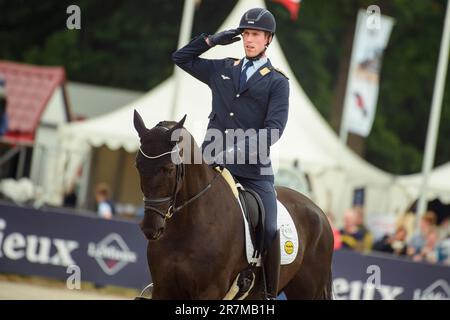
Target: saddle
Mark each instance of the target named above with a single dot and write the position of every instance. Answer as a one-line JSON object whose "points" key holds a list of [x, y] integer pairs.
{"points": [[255, 214], [252, 208]]}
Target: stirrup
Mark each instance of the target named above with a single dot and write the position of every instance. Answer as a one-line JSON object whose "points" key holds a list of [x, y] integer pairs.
{"points": [[146, 293]]}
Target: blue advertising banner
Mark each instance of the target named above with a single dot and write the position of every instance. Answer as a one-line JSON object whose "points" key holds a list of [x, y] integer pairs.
{"points": [[53, 244], [381, 276]]}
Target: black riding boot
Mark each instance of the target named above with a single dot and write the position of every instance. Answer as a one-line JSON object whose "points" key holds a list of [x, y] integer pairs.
{"points": [[272, 267]]}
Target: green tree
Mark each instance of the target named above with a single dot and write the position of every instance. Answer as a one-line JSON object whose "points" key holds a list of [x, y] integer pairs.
{"points": [[129, 44]]}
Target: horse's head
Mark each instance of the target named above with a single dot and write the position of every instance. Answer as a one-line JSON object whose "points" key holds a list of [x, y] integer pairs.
{"points": [[161, 170]]}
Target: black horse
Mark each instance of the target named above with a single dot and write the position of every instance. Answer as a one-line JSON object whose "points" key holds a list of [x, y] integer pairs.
{"points": [[195, 227]]}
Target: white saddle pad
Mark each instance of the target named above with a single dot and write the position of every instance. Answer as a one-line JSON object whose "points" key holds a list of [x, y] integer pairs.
{"points": [[288, 237]]}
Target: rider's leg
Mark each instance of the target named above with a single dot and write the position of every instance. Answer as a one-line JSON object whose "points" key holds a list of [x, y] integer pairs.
{"points": [[271, 261], [271, 254]]}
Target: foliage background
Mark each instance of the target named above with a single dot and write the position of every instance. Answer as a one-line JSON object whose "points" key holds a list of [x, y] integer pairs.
{"points": [[128, 44]]}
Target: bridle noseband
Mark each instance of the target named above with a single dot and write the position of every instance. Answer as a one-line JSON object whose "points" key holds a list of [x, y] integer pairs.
{"points": [[152, 204]]}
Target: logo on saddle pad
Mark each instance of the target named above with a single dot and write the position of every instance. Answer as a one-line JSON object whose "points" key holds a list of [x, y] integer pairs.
{"points": [[287, 232], [112, 253], [288, 247]]}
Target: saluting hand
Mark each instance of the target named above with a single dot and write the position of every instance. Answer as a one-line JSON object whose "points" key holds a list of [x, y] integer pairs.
{"points": [[224, 37]]}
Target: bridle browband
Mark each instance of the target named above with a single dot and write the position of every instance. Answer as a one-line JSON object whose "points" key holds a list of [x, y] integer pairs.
{"points": [[160, 155], [152, 204]]}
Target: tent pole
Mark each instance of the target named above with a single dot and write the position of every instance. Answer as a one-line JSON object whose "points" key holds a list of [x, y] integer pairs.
{"points": [[185, 34], [435, 115], [21, 165], [83, 189]]}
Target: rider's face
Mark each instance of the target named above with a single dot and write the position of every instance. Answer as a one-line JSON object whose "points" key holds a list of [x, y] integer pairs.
{"points": [[254, 41]]}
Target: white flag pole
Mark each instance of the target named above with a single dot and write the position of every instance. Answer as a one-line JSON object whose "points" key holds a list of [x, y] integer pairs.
{"points": [[183, 39], [435, 115]]}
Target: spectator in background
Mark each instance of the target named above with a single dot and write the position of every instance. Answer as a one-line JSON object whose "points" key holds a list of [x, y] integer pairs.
{"points": [[395, 243], [417, 241], [354, 235], [3, 102], [105, 207]]}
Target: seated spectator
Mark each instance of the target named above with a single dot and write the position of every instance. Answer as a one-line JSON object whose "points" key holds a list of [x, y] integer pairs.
{"points": [[354, 235], [395, 243], [417, 242], [105, 207], [429, 252]]}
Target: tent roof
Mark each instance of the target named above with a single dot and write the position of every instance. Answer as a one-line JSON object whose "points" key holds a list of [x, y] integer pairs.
{"points": [[29, 88], [438, 184]]}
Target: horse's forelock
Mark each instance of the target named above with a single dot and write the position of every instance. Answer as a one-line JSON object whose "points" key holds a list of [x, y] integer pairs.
{"points": [[167, 124], [160, 142]]}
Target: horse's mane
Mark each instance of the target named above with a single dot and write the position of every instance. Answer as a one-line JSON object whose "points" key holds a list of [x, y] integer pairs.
{"points": [[167, 124]]}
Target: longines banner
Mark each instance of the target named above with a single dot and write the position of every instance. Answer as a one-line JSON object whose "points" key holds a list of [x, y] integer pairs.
{"points": [[55, 244], [375, 277]]}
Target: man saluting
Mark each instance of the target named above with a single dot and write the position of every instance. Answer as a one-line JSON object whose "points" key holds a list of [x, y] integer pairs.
{"points": [[249, 95]]}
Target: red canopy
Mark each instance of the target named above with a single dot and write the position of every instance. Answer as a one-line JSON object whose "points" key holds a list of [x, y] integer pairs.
{"points": [[28, 90]]}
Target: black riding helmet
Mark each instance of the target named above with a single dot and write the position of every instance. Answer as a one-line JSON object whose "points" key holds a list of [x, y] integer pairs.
{"points": [[258, 19]]}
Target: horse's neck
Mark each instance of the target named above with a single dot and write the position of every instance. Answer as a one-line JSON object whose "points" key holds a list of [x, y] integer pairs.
{"points": [[196, 178], [198, 175]]}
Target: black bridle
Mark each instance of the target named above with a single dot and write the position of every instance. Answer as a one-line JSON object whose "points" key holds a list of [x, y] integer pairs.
{"points": [[152, 204]]}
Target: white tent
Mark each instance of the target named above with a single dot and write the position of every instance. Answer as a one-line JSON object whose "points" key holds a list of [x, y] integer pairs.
{"points": [[406, 189], [334, 170]]}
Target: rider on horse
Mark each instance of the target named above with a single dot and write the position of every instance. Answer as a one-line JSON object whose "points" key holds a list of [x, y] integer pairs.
{"points": [[251, 95]]}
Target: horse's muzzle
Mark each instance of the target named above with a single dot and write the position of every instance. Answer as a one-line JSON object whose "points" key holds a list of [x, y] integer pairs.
{"points": [[152, 235]]}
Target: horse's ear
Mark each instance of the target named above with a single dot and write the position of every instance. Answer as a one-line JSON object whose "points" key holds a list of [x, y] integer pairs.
{"points": [[139, 124], [181, 122], [175, 130]]}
